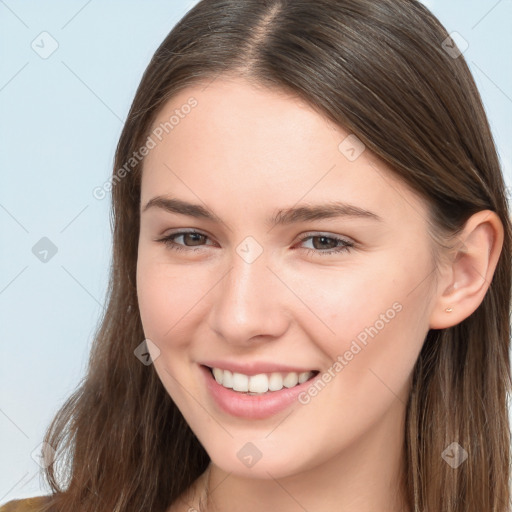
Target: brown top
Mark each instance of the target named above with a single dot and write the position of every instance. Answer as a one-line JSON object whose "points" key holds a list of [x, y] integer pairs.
{"points": [[25, 505]]}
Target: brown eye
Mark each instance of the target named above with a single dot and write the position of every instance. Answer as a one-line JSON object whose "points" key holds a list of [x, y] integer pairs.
{"points": [[327, 245], [191, 239], [194, 238], [324, 242]]}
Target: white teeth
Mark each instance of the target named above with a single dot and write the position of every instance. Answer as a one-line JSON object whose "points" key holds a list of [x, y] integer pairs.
{"points": [[227, 379], [260, 383], [304, 376], [218, 374], [240, 382], [291, 380], [275, 382]]}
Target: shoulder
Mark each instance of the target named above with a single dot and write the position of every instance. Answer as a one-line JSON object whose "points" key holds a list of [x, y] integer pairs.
{"points": [[25, 505]]}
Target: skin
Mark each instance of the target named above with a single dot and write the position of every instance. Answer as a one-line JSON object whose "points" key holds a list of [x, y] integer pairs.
{"points": [[244, 152]]}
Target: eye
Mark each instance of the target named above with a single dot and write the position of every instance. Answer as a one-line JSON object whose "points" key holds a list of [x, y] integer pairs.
{"points": [[333, 244], [194, 237]]}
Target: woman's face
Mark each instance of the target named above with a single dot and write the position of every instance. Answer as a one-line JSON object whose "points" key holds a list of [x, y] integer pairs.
{"points": [[316, 287]]}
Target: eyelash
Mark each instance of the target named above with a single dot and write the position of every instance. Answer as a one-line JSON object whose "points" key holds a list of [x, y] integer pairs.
{"points": [[346, 247]]}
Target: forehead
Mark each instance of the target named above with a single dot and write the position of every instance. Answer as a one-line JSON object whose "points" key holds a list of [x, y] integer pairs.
{"points": [[260, 146]]}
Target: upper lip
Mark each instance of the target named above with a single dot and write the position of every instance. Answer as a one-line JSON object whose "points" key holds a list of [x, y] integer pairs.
{"points": [[255, 368]]}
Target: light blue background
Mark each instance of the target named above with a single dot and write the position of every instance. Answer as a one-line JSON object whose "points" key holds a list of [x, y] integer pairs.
{"points": [[60, 119]]}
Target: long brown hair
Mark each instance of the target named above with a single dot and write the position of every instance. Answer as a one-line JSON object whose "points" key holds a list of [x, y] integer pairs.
{"points": [[380, 70]]}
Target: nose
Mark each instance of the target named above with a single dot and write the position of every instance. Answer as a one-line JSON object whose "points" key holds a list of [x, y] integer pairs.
{"points": [[250, 301]]}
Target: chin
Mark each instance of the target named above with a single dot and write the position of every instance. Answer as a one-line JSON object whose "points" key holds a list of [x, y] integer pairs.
{"points": [[258, 458]]}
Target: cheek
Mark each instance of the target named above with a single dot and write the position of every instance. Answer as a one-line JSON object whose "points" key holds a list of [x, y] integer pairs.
{"points": [[343, 302], [377, 323], [169, 297], [166, 296], [156, 292]]}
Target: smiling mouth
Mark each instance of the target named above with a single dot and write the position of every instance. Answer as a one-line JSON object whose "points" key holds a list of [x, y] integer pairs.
{"points": [[261, 383]]}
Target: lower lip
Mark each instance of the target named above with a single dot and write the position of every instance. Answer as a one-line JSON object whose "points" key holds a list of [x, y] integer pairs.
{"points": [[252, 406]]}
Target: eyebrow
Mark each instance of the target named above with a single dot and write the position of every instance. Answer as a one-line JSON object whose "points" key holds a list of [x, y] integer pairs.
{"points": [[284, 216]]}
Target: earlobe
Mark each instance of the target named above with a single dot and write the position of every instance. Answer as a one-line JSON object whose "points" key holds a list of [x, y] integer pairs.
{"points": [[469, 276]]}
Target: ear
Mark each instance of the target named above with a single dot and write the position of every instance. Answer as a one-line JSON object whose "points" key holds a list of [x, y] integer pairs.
{"points": [[467, 278]]}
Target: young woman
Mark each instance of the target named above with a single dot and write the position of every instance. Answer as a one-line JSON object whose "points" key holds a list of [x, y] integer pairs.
{"points": [[310, 292]]}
